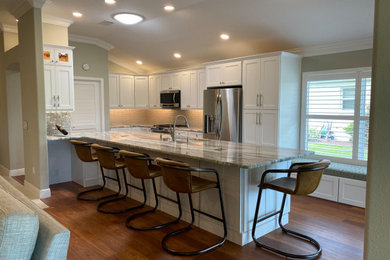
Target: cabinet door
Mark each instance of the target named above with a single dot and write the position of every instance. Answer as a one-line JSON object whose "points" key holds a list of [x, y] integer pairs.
{"points": [[65, 87], [214, 75], [176, 81], [201, 87], [126, 91], [48, 55], [268, 122], [50, 86], [63, 56], [189, 90], [141, 86], [231, 74], [269, 82], [166, 81], [251, 84], [251, 127], [154, 91], [113, 85]]}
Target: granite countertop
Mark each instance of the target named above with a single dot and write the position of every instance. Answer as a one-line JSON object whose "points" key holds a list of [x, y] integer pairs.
{"points": [[220, 152]]}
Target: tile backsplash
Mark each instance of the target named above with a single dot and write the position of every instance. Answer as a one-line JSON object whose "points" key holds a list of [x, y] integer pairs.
{"points": [[131, 117], [60, 118]]}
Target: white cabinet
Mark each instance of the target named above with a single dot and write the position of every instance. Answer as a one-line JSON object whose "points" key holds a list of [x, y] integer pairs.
{"points": [[260, 82], [166, 81], [154, 91], [202, 87], [271, 94], [121, 91], [224, 74], [141, 88], [177, 80], [260, 127], [189, 90], [58, 77]]}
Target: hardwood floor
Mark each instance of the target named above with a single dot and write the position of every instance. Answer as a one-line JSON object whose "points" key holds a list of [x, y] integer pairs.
{"points": [[19, 178], [339, 229]]}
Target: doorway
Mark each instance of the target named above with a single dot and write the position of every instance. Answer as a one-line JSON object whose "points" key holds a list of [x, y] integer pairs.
{"points": [[89, 106]]}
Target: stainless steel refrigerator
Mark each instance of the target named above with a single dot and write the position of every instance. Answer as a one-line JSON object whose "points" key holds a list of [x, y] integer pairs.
{"points": [[222, 113]]}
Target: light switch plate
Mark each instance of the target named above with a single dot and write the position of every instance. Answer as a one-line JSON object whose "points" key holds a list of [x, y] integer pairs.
{"points": [[25, 125]]}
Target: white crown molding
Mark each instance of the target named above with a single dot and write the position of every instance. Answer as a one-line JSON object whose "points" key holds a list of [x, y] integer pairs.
{"points": [[125, 65], [56, 21], [19, 10], [9, 28], [95, 41], [336, 47]]}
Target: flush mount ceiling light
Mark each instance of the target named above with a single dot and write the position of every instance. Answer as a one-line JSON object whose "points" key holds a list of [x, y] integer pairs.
{"points": [[77, 14], [177, 55], [224, 36], [139, 62], [128, 18], [110, 2], [169, 8]]}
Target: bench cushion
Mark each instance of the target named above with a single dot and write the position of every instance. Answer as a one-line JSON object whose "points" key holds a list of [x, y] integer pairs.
{"points": [[18, 228], [348, 171], [53, 238]]}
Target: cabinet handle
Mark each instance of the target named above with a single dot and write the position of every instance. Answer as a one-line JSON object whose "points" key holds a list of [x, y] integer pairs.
{"points": [[257, 100], [261, 100], [58, 101], [257, 118]]}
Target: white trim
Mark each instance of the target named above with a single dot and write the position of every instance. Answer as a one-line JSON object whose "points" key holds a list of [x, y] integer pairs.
{"points": [[9, 28], [121, 63], [42, 194], [101, 85], [91, 40], [16, 172], [56, 21], [20, 9], [45, 193], [335, 47]]}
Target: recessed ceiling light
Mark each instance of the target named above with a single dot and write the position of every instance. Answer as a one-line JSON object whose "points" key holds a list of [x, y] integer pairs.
{"points": [[77, 14], [139, 62], [128, 19], [224, 36], [177, 55], [110, 2], [169, 8]]}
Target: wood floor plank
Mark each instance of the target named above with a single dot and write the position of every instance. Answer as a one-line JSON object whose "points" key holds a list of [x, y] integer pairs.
{"points": [[339, 229]]}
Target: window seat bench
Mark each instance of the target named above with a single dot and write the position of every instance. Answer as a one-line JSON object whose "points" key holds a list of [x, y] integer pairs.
{"points": [[342, 183]]}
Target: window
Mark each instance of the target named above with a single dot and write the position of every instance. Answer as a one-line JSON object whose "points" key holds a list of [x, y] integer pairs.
{"points": [[335, 114]]}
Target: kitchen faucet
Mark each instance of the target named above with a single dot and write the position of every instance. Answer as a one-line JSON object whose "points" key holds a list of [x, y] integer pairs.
{"points": [[173, 132]]}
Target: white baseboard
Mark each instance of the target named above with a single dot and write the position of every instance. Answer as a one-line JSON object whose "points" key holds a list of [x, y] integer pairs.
{"points": [[41, 194], [45, 193], [16, 172]]}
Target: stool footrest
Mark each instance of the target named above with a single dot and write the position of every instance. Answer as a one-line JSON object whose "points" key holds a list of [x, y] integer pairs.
{"points": [[79, 195], [101, 204]]}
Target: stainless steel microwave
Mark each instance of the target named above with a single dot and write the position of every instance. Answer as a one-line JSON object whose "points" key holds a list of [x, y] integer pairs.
{"points": [[170, 98]]}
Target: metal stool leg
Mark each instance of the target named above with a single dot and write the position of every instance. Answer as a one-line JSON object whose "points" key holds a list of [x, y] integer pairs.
{"points": [[132, 217], [189, 227], [79, 196], [285, 230], [123, 197]]}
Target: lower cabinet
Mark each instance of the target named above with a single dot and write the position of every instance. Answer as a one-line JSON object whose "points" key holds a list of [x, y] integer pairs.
{"points": [[260, 127]]}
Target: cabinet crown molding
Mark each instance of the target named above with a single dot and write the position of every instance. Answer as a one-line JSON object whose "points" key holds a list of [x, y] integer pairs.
{"points": [[22, 8]]}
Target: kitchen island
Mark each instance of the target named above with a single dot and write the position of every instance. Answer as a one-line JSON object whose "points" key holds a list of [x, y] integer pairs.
{"points": [[240, 167]]}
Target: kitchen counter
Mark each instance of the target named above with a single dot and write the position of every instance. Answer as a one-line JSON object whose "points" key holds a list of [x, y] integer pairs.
{"points": [[240, 167], [219, 152]]}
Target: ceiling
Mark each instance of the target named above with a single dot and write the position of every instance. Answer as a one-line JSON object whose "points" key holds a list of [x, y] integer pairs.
{"points": [[193, 29]]}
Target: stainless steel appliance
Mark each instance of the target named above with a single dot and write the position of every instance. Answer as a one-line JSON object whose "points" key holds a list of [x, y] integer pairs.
{"points": [[222, 113], [170, 99]]}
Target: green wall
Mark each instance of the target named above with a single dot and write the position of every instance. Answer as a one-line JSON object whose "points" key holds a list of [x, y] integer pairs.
{"points": [[97, 58], [377, 237], [345, 60]]}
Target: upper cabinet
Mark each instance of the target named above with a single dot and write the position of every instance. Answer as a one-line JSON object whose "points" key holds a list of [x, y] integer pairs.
{"points": [[189, 89], [166, 81], [121, 91], [141, 88], [154, 91], [202, 87], [223, 74], [58, 77]]}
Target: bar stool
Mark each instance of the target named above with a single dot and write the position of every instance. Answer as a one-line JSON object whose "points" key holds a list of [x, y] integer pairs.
{"points": [[177, 176], [140, 166], [84, 152], [306, 182], [107, 157]]}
